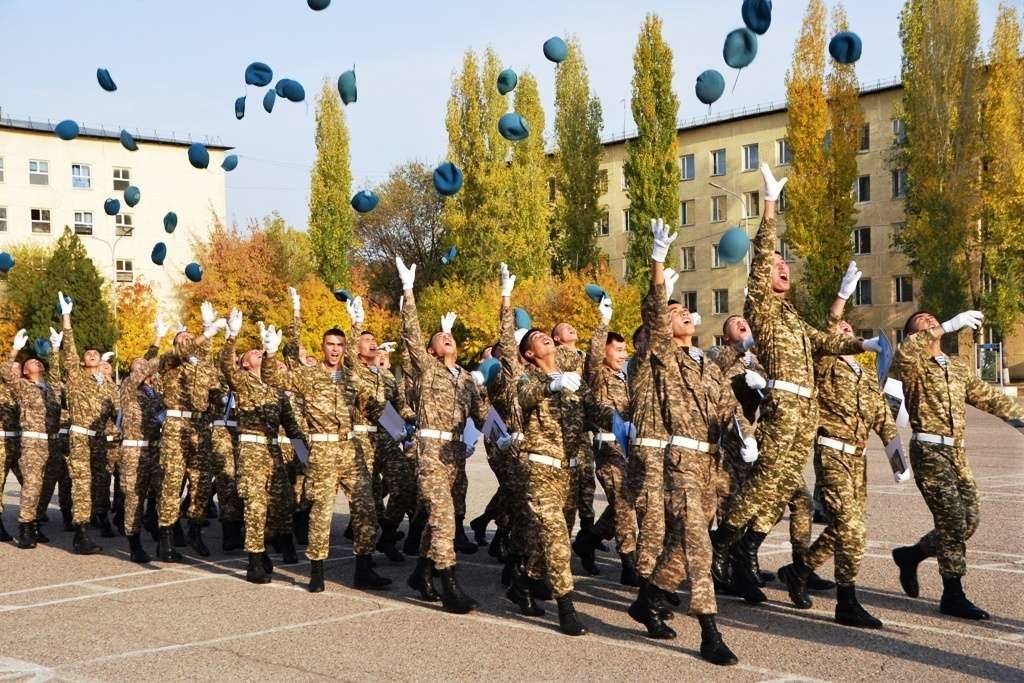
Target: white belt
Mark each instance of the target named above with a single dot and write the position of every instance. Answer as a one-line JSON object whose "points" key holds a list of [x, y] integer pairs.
{"points": [[938, 439], [693, 444], [75, 429], [284, 441], [42, 436], [325, 438], [837, 445], [645, 442], [4, 434], [364, 429], [220, 423], [435, 434], [783, 385], [604, 437], [63, 431], [180, 413], [252, 438], [549, 461], [111, 438], [133, 443]]}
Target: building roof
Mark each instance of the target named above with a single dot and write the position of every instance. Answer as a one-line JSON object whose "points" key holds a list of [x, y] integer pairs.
{"points": [[85, 131]]}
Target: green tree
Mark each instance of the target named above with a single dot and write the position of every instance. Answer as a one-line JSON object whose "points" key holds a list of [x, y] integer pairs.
{"points": [[292, 250], [18, 283], [651, 170], [331, 222], [527, 232], [578, 121]]}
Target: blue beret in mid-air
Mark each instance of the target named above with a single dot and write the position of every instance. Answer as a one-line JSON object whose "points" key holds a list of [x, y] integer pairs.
{"points": [[6, 262], [194, 272], [365, 201], [159, 253], [512, 126], [845, 47], [198, 155], [230, 162], [757, 15], [105, 81], [447, 179], [132, 195], [347, 87], [507, 81], [66, 130], [523, 319], [268, 101], [343, 295], [128, 142], [111, 207], [732, 246], [595, 292], [258, 74], [449, 256], [240, 107], [318, 5], [290, 89], [555, 49], [170, 222]]}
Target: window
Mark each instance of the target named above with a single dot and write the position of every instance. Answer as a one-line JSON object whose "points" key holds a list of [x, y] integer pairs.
{"points": [[862, 241], [865, 138], [718, 209], [751, 204], [689, 301], [897, 230], [899, 184], [123, 225], [783, 202], [687, 214], [686, 167], [862, 297], [38, 172], [866, 333], [899, 132], [602, 181], [83, 222], [897, 334], [718, 162], [751, 157], [603, 225], [80, 177], [552, 189], [786, 251], [862, 190], [3, 219], [721, 302], [783, 152], [626, 227], [124, 270], [716, 259], [903, 289], [122, 178], [719, 340], [1, 169], [40, 221], [689, 258]]}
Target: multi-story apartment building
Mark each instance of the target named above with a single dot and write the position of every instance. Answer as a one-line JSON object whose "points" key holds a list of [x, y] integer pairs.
{"points": [[47, 184]]}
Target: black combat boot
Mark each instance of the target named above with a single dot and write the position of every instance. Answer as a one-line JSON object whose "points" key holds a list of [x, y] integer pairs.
{"points": [[149, 519], [102, 522], [195, 539], [4, 536], [178, 535], [584, 546], [316, 576], [118, 508], [349, 534], [849, 611], [815, 582], [479, 527], [587, 524], [712, 648], [138, 554], [722, 540], [386, 542], [955, 603], [568, 621], [907, 558], [755, 567], [366, 578], [37, 535], [498, 549], [659, 598], [795, 577], [421, 580], [743, 576], [300, 526], [82, 544], [165, 551], [287, 545], [256, 573], [628, 576], [211, 509], [67, 518], [462, 542], [25, 540], [231, 535], [452, 596], [540, 589], [519, 590], [644, 610], [412, 540], [268, 565]]}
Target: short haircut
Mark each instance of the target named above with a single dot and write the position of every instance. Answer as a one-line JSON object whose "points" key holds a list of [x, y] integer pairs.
{"points": [[365, 333], [91, 348], [910, 321], [524, 343], [674, 302], [780, 254], [614, 337], [725, 325], [333, 332]]}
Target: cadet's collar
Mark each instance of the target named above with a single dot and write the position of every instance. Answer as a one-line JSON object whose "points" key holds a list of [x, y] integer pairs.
{"points": [[747, 359], [854, 365], [455, 370], [696, 354]]}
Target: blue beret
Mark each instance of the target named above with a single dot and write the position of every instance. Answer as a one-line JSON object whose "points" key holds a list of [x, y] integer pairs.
{"points": [[595, 292], [757, 15], [523, 319], [6, 262], [268, 101], [710, 86], [106, 82], [170, 222], [258, 74], [449, 255], [447, 179], [507, 81], [132, 195], [42, 347], [490, 369], [159, 253], [240, 107], [740, 48], [845, 47], [128, 142], [66, 130], [198, 156], [364, 201], [512, 126], [194, 272], [111, 207], [290, 89], [555, 49], [347, 86], [732, 246], [317, 5], [343, 295], [230, 162]]}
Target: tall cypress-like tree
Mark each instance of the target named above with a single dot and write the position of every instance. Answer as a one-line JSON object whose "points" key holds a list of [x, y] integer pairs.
{"points": [[331, 220], [527, 243], [651, 172]]}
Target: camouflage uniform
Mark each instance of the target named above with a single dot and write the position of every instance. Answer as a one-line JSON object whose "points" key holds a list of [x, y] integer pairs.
{"points": [[93, 403], [8, 439], [139, 457], [57, 466], [935, 397], [283, 500], [583, 485], [224, 453], [449, 397]]}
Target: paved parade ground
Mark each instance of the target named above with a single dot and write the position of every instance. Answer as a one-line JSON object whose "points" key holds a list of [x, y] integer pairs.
{"points": [[101, 618]]}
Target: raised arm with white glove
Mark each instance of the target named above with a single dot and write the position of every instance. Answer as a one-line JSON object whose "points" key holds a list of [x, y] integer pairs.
{"points": [[406, 274], [355, 310], [56, 339], [971, 319], [508, 282], [272, 340], [662, 240], [850, 279], [772, 187], [605, 309], [671, 277], [66, 305], [447, 321], [20, 340], [234, 323], [296, 302], [161, 331]]}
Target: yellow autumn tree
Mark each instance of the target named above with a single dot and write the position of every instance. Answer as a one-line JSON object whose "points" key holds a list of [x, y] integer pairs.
{"points": [[136, 314]]}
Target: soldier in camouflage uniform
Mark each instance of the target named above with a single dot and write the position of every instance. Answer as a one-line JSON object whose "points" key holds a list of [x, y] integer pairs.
{"points": [[9, 442], [936, 389], [224, 450], [448, 396], [281, 512]]}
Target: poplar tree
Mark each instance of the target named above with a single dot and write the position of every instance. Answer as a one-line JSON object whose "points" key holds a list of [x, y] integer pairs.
{"points": [[527, 232], [331, 219]]}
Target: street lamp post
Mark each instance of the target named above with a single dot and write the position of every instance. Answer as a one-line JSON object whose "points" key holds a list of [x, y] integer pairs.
{"points": [[112, 246]]}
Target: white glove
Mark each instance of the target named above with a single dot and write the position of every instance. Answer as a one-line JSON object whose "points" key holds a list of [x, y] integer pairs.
{"points": [[180, 328], [296, 301], [605, 309], [387, 347], [570, 381], [971, 319], [234, 323], [662, 240], [671, 277], [107, 356], [406, 275], [754, 380], [772, 187], [213, 328], [478, 378], [56, 338], [504, 442], [208, 314], [695, 317], [749, 449], [65, 305], [872, 345], [20, 340], [355, 310], [401, 303], [263, 331], [447, 320], [850, 280], [508, 281], [161, 330], [272, 340]]}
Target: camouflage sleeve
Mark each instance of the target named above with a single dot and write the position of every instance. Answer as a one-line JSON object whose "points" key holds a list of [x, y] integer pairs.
{"points": [[595, 355], [351, 360], [195, 346], [831, 324], [69, 357], [290, 351], [412, 335], [289, 420], [533, 390], [760, 299], [984, 396], [882, 422], [726, 357], [53, 372], [911, 355], [596, 413], [281, 379], [399, 403], [7, 370], [729, 407], [832, 344], [659, 329], [228, 365]]}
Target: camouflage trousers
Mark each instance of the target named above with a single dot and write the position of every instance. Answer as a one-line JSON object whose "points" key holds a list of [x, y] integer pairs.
{"points": [[224, 456], [102, 475], [547, 490], [139, 477], [690, 502], [513, 511], [331, 464], [281, 502], [56, 473], [35, 455], [398, 477], [11, 453], [498, 506], [584, 486], [732, 473], [619, 517], [645, 474], [461, 487], [945, 481], [843, 480], [181, 458], [88, 455], [255, 472], [437, 468]]}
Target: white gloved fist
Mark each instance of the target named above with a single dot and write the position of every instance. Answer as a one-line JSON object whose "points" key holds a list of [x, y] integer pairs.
{"points": [[56, 338], [754, 380], [695, 317], [107, 356], [478, 378], [20, 340], [406, 275], [387, 347], [296, 301], [772, 187], [447, 320], [209, 316], [971, 319], [571, 381], [161, 330], [872, 345], [662, 240], [605, 309], [65, 305], [272, 340], [211, 330], [180, 327], [748, 451], [355, 310], [850, 280], [671, 277], [508, 281], [234, 323]]}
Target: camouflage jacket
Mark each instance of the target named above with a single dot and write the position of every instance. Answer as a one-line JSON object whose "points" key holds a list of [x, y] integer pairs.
{"points": [[373, 387], [503, 392], [8, 409], [645, 407], [323, 394], [935, 396], [185, 379], [39, 405], [610, 388], [257, 404], [553, 421], [140, 406], [93, 400], [734, 364]]}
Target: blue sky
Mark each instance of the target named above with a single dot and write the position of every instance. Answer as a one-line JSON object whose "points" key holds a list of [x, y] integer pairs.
{"points": [[179, 67]]}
